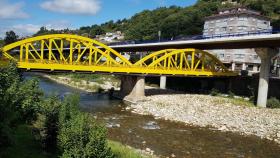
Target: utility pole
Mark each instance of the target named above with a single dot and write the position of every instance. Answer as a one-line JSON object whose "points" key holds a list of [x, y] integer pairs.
{"points": [[159, 35]]}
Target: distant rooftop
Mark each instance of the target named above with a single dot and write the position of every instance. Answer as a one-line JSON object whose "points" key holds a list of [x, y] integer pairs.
{"points": [[238, 10]]}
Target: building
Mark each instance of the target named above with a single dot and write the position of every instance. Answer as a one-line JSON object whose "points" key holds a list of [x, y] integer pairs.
{"points": [[111, 37], [237, 20]]}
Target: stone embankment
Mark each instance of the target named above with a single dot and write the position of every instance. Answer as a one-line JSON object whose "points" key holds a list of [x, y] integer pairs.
{"points": [[215, 112]]}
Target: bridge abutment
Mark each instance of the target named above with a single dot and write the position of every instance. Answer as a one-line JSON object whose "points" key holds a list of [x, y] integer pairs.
{"points": [[132, 88], [265, 54]]}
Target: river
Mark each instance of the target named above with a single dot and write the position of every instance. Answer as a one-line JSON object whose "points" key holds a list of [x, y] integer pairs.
{"points": [[165, 138]]}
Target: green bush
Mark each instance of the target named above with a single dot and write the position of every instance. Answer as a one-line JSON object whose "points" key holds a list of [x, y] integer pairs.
{"points": [[50, 109], [231, 94], [273, 103], [19, 101], [78, 135], [214, 92]]}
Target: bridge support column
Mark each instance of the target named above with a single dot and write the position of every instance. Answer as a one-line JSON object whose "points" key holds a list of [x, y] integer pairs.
{"points": [[162, 82], [133, 88], [265, 54]]}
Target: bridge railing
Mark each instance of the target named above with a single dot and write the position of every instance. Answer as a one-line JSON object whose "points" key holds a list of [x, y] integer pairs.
{"points": [[200, 37]]}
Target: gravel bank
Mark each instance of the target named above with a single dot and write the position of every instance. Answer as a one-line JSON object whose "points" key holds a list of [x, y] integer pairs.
{"points": [[217, 112], [83, 84]]}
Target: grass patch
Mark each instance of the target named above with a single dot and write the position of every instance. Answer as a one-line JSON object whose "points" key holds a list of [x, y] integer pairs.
{"points": [[123, 151], [25, 145], [98, 78], [234, 101], [3, 63]]}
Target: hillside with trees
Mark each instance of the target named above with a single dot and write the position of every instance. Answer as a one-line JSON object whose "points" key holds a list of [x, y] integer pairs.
{"points": [[172, 21]]}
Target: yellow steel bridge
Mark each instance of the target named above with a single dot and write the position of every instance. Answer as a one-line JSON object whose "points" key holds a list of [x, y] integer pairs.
{"points": [[76, 53]]}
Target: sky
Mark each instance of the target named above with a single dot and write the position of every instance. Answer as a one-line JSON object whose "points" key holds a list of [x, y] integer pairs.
{"points": [[26, 17]]}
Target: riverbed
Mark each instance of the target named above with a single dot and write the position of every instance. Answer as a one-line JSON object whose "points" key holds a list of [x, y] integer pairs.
{"points": [[161, 137]]}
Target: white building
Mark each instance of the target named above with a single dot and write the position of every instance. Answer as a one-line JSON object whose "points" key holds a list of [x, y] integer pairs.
{"points": [[237, 20]]}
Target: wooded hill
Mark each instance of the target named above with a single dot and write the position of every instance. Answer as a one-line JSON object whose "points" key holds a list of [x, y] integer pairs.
{"points": [[174, 21]]}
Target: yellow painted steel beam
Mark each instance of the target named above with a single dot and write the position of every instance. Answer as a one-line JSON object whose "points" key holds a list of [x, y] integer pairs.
{"points": [[96, 56], [125, 70]]}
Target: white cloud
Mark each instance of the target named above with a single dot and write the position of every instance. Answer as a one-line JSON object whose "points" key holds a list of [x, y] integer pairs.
{"points": [[12, 11], [29, 29], [86, 7]]}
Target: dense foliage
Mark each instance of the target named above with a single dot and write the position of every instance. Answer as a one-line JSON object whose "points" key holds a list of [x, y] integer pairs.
{"points": [[78, 135], [59, 123], [273, 103], [10, 37], [174, 21], [19, 101]]}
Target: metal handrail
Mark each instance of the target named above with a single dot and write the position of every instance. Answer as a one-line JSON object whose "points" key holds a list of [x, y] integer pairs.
{"points": [[199, 37]]}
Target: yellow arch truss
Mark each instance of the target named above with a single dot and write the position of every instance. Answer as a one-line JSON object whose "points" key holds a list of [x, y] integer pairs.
{"points": [[76, 53]]}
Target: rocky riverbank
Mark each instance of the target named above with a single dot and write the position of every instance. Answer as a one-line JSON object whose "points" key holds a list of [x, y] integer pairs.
{"points": [[215, 112]]}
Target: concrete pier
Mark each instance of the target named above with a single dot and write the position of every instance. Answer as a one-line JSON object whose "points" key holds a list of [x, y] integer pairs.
{"points": [[265, 54], [132, 88], [162, 82]]}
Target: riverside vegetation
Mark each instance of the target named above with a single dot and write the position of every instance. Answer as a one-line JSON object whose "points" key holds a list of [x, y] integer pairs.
{"points": [[34, 126]]}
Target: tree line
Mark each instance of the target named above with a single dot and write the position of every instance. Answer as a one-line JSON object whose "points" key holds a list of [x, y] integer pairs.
{"points": [[171, 21]]}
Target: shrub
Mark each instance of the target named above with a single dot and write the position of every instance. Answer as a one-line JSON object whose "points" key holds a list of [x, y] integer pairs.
{"points": [[50, 109], [78, 135], [81, 138], [231, 94], [18, 101], [214, 92], [252, 93], [273, 103]]}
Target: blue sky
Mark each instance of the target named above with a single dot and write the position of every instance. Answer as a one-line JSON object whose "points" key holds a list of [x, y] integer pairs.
{"points": [[26, 16]]}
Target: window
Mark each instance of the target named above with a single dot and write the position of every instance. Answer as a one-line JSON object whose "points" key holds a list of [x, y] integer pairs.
{"points": [[230, 28], [239, 56], [242, 18], [250, 67], [218, 21], [250, 57], [242, 28], [265, 22], [221, 56], [225, 20], [224, 29], [256, 57]]}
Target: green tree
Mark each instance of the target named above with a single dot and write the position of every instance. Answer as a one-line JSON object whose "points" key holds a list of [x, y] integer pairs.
{"points": [[79, 136], [43, 30], [10, 37], [2, 42], [19, 101]]}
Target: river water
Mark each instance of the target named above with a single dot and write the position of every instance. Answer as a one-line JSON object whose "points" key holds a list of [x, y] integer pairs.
{"points": [[165, 138]]}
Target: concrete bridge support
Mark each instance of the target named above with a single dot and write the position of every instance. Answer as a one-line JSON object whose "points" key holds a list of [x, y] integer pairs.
{"points": [[132, 88], [265, 54], [162, 82]]}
